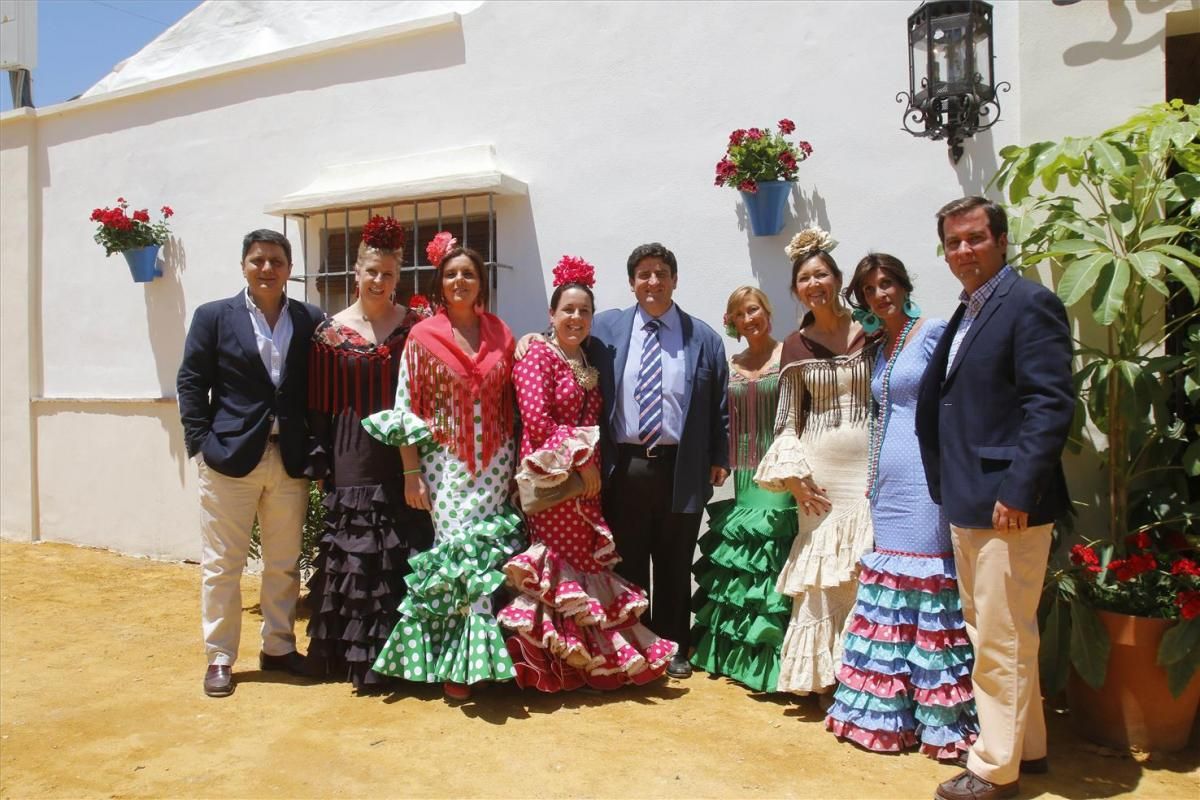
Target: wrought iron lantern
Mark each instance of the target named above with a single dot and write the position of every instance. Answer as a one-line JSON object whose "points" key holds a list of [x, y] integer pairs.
{"points": [[951, 86]]}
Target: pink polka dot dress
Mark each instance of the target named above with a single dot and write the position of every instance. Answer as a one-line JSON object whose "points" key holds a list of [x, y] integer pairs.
{"points": [[575, 621]]}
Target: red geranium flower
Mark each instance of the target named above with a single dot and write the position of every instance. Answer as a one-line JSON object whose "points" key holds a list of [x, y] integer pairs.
{"points": [[142, 216], [438, 246], [167, 211], [787, 126], [748, 186], [1086, 557], [1189, 604], [1133, 566], [1138, 541], [1185, 566], [805, 148], [737, 136], [755, 134]]}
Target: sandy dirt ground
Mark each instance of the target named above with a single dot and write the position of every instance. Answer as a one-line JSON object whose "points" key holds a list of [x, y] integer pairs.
{"points": [[100, 696]]}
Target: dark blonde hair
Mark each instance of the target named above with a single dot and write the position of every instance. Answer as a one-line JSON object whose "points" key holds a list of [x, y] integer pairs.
{"points": [[741, 294]]}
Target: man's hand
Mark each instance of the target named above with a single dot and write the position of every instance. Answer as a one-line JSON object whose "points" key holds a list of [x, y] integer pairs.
{"points": [[524, 342], [591, 480], [811, 499], [717, 475], [1009, 519]]}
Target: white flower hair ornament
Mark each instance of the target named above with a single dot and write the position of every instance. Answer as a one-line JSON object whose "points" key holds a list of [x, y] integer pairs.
{"points": [[809, 240]]}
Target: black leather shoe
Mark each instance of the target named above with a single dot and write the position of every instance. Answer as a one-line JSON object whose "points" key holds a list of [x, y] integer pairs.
{"points": [[218, 680], [679, 667], [1035, 766], [292, 663]]}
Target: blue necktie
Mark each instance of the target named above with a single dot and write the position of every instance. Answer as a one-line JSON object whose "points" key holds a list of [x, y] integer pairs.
{"points": [[649, 387]]}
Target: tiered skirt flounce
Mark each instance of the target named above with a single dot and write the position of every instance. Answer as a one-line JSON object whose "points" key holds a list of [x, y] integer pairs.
{"points": [[358, 582], [575, 628], [447, 630], [740, 617], [905, 678]]}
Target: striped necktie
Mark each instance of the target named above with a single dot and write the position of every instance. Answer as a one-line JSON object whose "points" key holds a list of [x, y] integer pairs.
{"points": [[649, 387]]}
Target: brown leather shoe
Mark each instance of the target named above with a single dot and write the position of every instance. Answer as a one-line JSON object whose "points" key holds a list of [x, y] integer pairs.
{"points": [[218, 680], [966, 785], [1035, 766], [292, 663]]}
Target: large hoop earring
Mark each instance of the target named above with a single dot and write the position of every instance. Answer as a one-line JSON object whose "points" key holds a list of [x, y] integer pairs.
{"points": [[911, 309], [869, 320]]}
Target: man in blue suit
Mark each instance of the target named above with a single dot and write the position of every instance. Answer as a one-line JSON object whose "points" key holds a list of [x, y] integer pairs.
{"points": [[242, 391], [664, 437], [993, 415]]}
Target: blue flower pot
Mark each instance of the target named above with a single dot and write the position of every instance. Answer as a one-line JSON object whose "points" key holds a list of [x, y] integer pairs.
{"points": [[766, 206], [143, 263]]}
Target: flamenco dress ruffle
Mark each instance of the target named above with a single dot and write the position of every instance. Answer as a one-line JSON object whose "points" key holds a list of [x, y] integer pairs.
{"points": [[576, 624], [447, 630], [905, 679], [740, 617]]}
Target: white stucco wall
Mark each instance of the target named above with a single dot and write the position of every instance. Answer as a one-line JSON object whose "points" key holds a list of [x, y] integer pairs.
{"points": [[613, 114]]}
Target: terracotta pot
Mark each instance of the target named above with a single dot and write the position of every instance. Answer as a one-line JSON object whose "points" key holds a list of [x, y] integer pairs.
{"points": [[1134, 708]]}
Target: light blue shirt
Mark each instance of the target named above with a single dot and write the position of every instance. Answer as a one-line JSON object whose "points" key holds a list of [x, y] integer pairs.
{"points": [[975, 302], [674, 383], [272, 344]]}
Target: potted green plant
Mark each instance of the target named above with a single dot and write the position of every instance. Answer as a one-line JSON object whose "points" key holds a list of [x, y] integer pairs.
{"points": [[1115, 218], [762, 165], [134, 236]]}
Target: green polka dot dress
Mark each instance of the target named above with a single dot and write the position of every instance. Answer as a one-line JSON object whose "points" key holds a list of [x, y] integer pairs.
{"points": [[447, 629]]}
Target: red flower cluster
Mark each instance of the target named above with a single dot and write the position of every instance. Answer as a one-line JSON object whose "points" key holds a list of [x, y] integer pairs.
{"points": [[737, 136], [1185, 566], [754, 134], [1086, 557], [787, 126], [1138, 541], [121, 231], [383, 233], [788, 160], [438, 246], [1189, 603], [1129, 568], [419, 305], [748, 186], [754, 155], [572, 269], [805, 148], [113, 218], [142, 215], [726, 169], [167, 211]]}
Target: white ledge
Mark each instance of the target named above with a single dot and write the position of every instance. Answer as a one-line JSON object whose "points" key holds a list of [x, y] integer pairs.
{"points": [[422, 176]]}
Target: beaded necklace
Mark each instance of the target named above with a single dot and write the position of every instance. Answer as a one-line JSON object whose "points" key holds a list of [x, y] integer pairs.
{"points": [[879, 430]]}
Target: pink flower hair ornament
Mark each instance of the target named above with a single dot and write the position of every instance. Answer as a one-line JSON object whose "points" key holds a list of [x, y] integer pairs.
{"points": [[438, 246], [572, 269], [383, 233]]}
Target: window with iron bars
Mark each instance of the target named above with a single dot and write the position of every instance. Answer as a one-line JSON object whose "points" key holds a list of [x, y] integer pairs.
{"points": [[330, 239]]}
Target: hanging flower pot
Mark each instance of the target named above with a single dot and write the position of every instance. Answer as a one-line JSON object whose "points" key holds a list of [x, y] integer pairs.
{"points": [[762, 165], [766, 205], [143, 263]]}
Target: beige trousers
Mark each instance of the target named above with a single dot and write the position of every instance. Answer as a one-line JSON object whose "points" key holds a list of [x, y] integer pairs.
{"points": [[227, 510], [1000, 579]]}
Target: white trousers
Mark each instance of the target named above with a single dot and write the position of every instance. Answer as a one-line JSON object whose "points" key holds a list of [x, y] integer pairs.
{"points": [[227, 510], [1000, 579]]}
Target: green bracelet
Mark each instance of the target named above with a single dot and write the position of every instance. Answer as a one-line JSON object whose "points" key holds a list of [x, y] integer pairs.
{"points": [[411, 471]]}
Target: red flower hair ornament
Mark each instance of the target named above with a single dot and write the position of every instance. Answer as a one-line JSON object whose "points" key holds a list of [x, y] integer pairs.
{"points": [[572, 269], [419, 305], [438, 246], [383, 233]]}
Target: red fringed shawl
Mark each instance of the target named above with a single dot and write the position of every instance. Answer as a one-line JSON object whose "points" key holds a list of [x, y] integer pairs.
{"points": [[346, 371], [444, 383]]}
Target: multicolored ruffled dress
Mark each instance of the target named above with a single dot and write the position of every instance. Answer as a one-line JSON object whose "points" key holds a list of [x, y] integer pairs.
{"points": [[740, 618], [906, 670], [458, 410], [821, 431], [370, 532], [575, 620]]}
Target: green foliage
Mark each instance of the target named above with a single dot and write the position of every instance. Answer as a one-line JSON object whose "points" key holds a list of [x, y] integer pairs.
{"points": [[310, 537]]}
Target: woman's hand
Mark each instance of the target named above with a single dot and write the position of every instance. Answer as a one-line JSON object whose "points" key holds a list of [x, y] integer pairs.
{"points": [[591, 480], [416, 492], [810, 498], [524, 342]]}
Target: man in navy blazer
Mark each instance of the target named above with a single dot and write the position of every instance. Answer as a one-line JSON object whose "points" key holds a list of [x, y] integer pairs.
{"points": [[242, 391], [993, 415], [664, 436]]}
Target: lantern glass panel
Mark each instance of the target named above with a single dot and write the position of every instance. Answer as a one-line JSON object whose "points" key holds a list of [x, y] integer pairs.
{"points": [[952, 67], [918, 63], [981, 35]]}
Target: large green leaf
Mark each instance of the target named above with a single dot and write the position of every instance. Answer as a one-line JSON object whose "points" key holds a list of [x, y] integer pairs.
{"points": [[1108, 158], [1163, 232], [1122, 218], [1188, 184], [1022, 175], [1089, 644], [1150, 265], [1109, 296], [1179, 652], [1054, 651], [1179, 270], [1080, 276]]}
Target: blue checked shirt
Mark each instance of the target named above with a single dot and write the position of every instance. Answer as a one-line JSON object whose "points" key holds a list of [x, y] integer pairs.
{"points": [[975, 303]]}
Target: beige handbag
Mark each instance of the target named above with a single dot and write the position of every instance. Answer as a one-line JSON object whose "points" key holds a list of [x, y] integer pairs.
{"points": [[538, 498]]}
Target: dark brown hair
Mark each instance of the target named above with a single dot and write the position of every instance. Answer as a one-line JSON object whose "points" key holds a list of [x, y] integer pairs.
{"points": [[435, 285], [997, 219], [807, 256], [890, 265]]}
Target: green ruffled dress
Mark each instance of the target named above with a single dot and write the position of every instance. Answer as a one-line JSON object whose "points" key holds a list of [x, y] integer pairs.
{"points": [[447, 629], [740, 618]]}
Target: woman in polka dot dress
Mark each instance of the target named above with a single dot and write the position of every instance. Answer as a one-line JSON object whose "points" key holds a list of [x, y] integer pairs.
{"points": [[576, 621], [453, 423]]}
